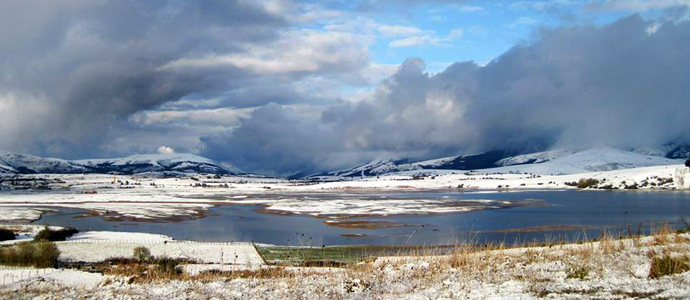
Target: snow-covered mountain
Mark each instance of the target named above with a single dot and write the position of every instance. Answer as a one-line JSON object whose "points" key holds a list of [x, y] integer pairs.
{"points": [[135, 164], [574, 162], [561, 161], [380, 167], [28, 164]]}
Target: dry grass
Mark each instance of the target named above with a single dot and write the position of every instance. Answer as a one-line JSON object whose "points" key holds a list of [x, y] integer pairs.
{"points": [[668, 265]]}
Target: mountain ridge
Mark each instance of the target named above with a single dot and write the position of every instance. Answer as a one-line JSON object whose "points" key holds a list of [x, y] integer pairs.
{"points": [[16, 163], [554, 162]]}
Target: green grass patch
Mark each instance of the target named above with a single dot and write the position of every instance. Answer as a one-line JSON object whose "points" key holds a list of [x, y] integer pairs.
{"points": [[339, 255]]}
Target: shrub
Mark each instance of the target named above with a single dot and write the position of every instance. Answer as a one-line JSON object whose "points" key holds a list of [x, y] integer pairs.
{"points": [[587, 183], [42, 254], [6, 235], [142, 254], [667, 265], [48, 234], [46, 255], [577, 272], [167, 266]]}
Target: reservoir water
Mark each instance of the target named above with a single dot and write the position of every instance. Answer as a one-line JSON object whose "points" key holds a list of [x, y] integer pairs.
{"points": [[567, 215]]}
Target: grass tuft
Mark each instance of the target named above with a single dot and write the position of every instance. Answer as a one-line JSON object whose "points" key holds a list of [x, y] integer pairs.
{"points": [[577, 272], [668, 265]]}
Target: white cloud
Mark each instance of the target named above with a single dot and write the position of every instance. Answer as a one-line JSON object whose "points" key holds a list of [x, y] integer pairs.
{"points": [[397, 30], [415, 41], [469, 8], [428, 38], [296, 51], [652, 29], [456, 34], [638, 5], [166, 150]]}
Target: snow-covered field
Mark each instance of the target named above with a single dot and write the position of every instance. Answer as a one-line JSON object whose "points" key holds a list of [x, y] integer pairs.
{"points": [[609, 269]]}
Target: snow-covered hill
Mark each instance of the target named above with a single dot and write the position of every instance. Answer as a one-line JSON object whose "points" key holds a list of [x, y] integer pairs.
{"points": [[554, 162], [380, 167], [590, 160], [28, 164], [135, 164]]}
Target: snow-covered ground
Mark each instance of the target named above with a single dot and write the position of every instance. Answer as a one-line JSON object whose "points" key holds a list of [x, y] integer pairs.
{"points": [[610, 269]]}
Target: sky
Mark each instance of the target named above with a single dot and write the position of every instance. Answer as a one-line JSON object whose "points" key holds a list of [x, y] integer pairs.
{"points": [[280, 87]]}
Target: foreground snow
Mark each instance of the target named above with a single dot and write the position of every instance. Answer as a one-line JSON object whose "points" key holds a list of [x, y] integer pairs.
{"points": [[614, 270]]}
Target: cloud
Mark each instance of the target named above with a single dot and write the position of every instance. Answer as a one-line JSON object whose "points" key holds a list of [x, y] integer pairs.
{"points": [[428, 38], [91, 64], [397, 30], [637, 5], [573, 87], [79, 73], [470, 8], [166, 150]]}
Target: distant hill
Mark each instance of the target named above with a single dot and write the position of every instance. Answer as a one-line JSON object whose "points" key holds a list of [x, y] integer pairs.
{"points": [[380, 167], [135, 164], [548, 162]]}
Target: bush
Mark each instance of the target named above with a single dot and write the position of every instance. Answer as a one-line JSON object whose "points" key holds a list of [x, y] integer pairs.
{"points": [[6, 235], [167, 266], [46, 255], [587, 183], [142, 254], [577, 272], [667, 265], [48, 234], [42, 255]]}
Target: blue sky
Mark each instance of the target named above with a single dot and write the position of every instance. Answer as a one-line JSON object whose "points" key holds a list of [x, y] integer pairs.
{"points": [[288, 86]]}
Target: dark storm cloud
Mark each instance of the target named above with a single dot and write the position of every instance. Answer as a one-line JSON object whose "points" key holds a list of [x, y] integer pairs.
{"points": [[73, 70], [626, 84]]}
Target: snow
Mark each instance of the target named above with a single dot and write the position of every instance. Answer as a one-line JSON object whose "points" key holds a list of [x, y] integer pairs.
{"points": [[95, 246], [114, 236], [535, 158], [616, 270], [373, 207], [214, 253], [591, 160], [154, 159], [29, 277], [682, 178], [19, 214], [15, 162]]}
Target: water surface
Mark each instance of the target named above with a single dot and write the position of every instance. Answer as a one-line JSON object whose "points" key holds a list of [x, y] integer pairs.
{"points": [[563, 215]]}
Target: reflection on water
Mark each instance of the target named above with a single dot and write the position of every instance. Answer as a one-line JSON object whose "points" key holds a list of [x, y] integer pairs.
{"points": [[567, 214]]}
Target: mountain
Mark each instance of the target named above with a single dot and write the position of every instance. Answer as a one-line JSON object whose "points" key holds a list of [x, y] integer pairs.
{"points": [[135, 164], [29, 164], [380, 167], [573, 162], [561, 161]]}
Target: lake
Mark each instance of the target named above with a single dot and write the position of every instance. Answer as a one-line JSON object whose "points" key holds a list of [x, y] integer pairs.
{"points": [[567, 215]]}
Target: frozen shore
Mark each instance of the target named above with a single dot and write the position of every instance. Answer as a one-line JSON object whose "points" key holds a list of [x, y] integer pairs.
{"points": [[608, 269]]}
